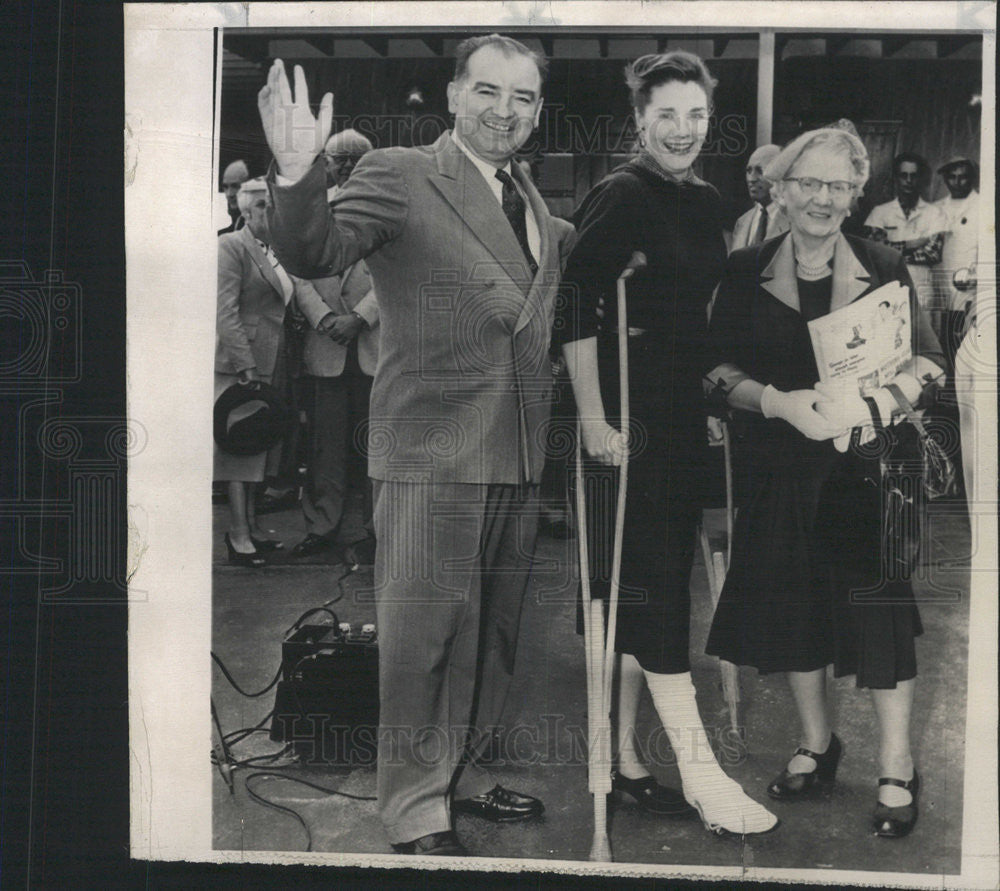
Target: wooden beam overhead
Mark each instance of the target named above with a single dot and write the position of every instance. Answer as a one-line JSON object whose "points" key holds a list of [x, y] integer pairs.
{"points": [[892, 45], [835, 44], [379, 44], [434, 44], [948, 45], [322, 42], [254, 48]]}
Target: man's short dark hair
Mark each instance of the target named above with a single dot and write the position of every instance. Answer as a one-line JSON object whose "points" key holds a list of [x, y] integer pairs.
{"points": [[507, 45], [923, 168]]}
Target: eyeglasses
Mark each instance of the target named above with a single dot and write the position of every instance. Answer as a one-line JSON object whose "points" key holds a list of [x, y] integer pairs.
{"points": [[839, 188]]}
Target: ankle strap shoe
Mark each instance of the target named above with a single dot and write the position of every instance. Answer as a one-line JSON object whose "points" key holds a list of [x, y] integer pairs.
{"points": [[788, 786]]}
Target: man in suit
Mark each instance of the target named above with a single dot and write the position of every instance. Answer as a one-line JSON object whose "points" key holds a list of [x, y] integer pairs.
{"points": [[233, 177], [339, 357], [764, 220], [465, 260]]}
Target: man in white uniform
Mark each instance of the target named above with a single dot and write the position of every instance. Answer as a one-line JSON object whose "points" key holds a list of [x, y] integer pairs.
{"points": [[911, 225], [955, 278]]}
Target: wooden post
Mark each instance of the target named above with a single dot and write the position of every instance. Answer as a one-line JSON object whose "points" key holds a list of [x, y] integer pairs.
{"points": [[765, 87]]}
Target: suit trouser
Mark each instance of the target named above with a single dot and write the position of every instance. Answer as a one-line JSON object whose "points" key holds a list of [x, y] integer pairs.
{"points": [[336, 408], [451, 572]]}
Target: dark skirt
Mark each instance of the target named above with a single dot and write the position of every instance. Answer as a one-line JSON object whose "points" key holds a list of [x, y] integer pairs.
{"points": [[654, 607], [806, 587]]}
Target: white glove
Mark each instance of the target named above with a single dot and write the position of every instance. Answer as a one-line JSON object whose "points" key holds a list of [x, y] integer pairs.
{"points": [[797, 408], [843, 405]]}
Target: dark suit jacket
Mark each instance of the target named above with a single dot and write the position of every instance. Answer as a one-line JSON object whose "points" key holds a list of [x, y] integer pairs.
{"points": [[463, 383]]}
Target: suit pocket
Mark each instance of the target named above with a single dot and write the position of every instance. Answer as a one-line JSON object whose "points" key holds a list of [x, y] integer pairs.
{"points": [[250, 328]]}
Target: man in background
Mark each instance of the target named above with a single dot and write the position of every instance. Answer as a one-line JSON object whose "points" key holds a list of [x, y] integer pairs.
{"points": [[340, 352], [764, 220], [233, 177], [911, 225], [956, 276]]}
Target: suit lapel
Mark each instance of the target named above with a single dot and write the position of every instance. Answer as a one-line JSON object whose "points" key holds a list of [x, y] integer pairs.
{"points": [[464, 188], [534, 301], [778, 277], [262, 263], [850, 278]]}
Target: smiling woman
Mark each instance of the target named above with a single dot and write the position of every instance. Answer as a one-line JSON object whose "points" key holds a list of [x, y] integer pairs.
{"points": [[656, 205]]}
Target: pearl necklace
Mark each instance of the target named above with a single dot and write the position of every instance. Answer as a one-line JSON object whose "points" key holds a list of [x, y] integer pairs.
{"points": [[813, 271]]}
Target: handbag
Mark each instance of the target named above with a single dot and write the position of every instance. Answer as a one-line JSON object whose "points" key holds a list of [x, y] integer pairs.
{"points": [[915, 470]]}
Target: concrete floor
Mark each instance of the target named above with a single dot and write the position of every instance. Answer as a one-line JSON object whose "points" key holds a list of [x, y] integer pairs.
{"points": [[546, 718]]}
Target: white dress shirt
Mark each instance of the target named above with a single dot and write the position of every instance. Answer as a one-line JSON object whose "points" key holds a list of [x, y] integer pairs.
{"points": [[489, 173]]}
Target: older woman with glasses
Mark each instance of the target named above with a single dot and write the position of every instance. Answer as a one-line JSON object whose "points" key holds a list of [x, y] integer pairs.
{"points": [[807, 541]]}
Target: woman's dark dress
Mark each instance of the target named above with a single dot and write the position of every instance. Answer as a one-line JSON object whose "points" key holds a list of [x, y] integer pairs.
{"points": [[805, 587], [679, 229]]}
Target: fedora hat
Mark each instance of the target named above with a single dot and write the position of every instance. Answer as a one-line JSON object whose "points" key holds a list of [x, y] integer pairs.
{"points": [[249, 418]]}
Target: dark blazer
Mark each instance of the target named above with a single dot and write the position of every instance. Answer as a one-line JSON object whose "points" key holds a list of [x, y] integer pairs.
{"points": [[760, 281], [251, 306], [463, 382]]}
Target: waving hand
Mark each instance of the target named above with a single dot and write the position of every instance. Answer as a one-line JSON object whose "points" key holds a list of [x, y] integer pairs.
{"points": [[294, 135]]}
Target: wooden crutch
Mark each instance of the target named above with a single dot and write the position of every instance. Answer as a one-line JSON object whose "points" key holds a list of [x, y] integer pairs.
{"points": [[716, 567], [600, 651]]}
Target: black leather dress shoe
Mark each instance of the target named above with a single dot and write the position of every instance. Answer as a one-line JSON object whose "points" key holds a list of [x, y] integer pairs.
{"points": [[311, 544], [652, 797], [788, 786], [500, 805], [897, 822], [437, 844]]}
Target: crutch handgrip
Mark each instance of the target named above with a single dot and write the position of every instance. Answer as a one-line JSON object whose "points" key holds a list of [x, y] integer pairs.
{"points": [[636, 261]]}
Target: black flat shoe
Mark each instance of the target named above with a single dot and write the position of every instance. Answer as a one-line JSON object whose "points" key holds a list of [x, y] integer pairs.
{"points": [[437, 844], [311, 544], [788, 786], [237, 558], [500, 805], [267, 544], [897, 822], [652, 797]]}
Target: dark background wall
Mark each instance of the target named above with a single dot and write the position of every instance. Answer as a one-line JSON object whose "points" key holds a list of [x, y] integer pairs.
{"points": [[920, 105]]}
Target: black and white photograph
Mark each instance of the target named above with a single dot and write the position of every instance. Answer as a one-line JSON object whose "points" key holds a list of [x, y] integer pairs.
{"points": [[569, 443]]}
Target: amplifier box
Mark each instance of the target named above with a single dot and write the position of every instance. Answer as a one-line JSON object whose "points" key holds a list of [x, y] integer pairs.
{"points": [[326, 704]]}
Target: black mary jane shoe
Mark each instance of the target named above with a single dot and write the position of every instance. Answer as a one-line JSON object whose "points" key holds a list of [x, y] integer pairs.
{"points": [[437, 844], [500, 805], [267, 544], [897, 822], [652, 797], [788, 786], [254, 560]]}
